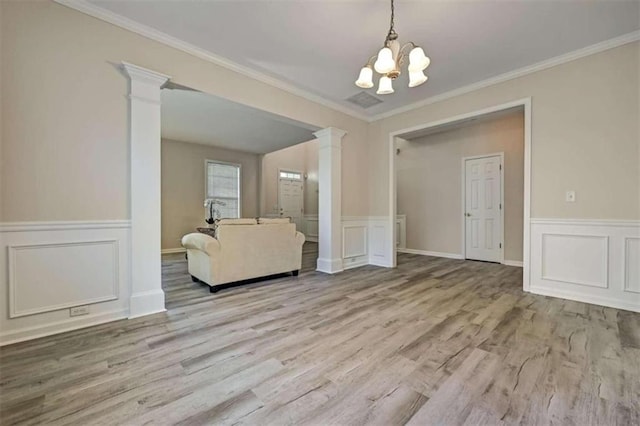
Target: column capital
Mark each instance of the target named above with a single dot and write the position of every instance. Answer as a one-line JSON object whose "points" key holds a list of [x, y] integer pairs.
{"points": [[137, 73], [332, 132]]}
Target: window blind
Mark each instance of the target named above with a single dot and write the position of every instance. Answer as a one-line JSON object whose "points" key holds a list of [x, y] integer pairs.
{"points": [[223, 184]]}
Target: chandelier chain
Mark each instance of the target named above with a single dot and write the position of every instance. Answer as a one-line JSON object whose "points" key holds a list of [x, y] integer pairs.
{"points": [[392, 35], [393, 10]]}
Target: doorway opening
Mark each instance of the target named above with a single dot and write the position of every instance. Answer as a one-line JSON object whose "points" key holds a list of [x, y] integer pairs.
{"points": [[290, 189], [454, 205], [145, 86], [291, 196]]}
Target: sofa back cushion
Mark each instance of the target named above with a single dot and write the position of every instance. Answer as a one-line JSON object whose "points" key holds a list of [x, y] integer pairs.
{"points": [[273, 220], [262, 246], [237, 221]]}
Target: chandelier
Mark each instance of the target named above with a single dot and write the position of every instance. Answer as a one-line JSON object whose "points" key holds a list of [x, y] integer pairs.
{"points": [[390, 59]]}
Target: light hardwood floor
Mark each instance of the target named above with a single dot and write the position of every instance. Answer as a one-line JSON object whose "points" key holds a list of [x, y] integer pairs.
{"points": [[435, 341]]}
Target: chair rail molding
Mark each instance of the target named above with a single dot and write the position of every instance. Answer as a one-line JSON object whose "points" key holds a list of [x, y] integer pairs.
{"points": [[147, 296]]}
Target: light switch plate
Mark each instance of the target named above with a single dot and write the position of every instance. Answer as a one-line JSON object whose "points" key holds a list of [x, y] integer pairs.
{"points": [[571, 197]]}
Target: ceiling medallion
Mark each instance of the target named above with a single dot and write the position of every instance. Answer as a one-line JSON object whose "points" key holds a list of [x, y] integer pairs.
{"points": [[390, 59]]}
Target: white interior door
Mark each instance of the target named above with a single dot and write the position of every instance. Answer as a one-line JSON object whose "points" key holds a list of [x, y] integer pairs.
{"points": [[483, 208], [290, 198]]}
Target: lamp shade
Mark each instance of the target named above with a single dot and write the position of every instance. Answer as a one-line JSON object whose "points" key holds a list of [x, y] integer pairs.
{"points": [[416, 78], [365, 80], [385, 62], [385, 87], [418, 61]]}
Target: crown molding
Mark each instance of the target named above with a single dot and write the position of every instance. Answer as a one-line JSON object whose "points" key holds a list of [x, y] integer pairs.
{"points": [[549, 63], [161, 37]]}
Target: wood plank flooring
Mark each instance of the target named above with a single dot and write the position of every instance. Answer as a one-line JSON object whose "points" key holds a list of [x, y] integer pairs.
{"points": [[435, 341]]}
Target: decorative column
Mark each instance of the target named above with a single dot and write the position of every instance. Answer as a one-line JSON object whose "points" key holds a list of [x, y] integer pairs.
{"points": [[330, 199], [146, 296]]}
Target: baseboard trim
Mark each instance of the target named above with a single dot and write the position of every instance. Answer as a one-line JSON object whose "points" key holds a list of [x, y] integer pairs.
{"points": [[146, 303], [174, 250], [50, 329], [354, 265], [431, 253], [329, 266], [516, 263], [586, 298], [383, 263]]}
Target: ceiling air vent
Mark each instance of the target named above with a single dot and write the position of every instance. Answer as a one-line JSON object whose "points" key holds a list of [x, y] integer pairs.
{"points": [[364, 100]]}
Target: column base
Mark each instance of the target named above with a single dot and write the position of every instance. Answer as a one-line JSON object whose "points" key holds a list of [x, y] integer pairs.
{"points": [[329, 266], [146, 303]]}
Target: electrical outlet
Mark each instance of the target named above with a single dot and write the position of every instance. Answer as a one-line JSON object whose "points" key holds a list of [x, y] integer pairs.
{"points": [[570, 197], [79, 310]]}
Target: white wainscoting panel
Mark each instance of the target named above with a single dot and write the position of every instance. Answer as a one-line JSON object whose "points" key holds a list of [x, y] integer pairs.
{"points": [[355, 241], [311, 227], [379, 229], [576, 259], [355, 245], [48, 277], [632, 264], [401, 231], [587, 260], [50, 267]]}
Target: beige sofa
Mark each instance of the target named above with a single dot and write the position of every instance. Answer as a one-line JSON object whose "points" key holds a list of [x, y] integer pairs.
{"points": [[244, 249]]}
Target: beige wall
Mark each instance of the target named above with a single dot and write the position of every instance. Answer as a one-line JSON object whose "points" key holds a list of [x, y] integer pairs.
{"points": [[64, 122], [183, 186], [302, 157], [585, 135], [430, 183], [64, 136]]}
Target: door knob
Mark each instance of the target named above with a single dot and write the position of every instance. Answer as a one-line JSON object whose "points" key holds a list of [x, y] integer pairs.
{"points": [[467, 214]]}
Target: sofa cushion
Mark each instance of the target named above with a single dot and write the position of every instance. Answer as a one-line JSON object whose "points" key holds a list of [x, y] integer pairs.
{"points": [[266, 220], [238, 221]]}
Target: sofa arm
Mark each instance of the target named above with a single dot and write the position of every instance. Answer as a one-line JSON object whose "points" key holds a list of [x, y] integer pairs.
{"points": [[300, 238], [202, 242]]}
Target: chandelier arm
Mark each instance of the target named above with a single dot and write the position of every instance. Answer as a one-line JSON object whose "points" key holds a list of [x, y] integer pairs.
{"points": [[407, 44], [403, 51], [371, 61]]}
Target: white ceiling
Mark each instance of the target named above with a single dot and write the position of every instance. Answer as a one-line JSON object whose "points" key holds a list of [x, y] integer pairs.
{"points": [[197, 117], [319, 46]]}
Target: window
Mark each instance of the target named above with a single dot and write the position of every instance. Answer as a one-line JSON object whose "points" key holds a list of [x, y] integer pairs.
{"points": [[290, 175], [223, 186]]}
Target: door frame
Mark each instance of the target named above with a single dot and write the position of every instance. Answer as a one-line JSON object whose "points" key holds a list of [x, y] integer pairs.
{"points": [[464, 201], [525, 103], [285, 169]]}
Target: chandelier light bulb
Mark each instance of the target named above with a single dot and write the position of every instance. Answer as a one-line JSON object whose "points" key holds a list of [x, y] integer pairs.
{"points": [[385, 87], [385, 62], [418, 61], [416, 78], [365, 80]]}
